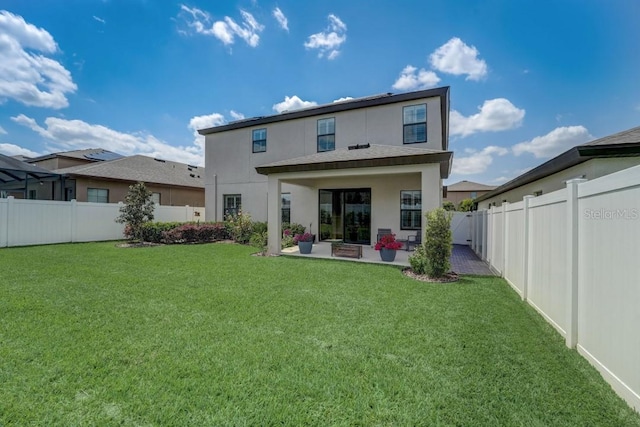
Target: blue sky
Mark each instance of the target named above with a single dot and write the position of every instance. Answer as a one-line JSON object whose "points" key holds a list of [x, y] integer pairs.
{"points": [[528, 79]]}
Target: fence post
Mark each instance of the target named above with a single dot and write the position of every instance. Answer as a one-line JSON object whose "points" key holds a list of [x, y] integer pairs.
{"points": [[525, 255], [572, 261], [505, 206], [74, 220], [485, 234], [8, 224]]}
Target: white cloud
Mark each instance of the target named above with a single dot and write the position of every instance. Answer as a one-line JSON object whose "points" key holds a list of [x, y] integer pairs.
{"points": [[555, 142], [226, 30], [282, 20], [455, 57], [235, 115], [15, 150], [328, 42], [495, 115], [26, 75], [344, 98], [500, 180], [97, 18], [203, 122], [476, 161], [77, 134], [2, 131], [412, 79], [292, 103]]}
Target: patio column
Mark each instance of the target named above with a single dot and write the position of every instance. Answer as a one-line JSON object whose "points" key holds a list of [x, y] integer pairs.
{"points": [[431, 187], [274, 214]]}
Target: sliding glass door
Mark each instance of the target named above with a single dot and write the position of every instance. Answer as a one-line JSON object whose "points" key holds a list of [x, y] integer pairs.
{"points": [[345, 215]]}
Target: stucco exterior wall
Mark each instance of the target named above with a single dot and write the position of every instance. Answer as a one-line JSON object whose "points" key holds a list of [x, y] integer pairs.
{"points": [[170, 196], [590, 169], [230, 162]]}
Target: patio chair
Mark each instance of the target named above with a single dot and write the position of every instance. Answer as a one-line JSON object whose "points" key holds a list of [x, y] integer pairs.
{"points": [[414, 240], [383, 232]]}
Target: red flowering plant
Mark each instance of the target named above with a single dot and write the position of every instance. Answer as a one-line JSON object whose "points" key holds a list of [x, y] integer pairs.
{"points": [[388, 241], [305, 237]]}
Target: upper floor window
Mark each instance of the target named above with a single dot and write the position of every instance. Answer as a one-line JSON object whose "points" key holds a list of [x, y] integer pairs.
{"points": [[259, 140], [415, 123], [98, 195], [327, 134]]}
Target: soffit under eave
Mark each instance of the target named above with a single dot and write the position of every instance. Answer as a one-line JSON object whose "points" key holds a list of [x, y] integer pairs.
{"points": [[442, 157]]}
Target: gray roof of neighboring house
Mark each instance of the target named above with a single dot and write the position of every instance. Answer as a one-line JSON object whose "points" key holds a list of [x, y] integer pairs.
{"points": [[92, 154], [621, 144], [141, 168], [469, 186], [352, 104], [364, 156], [12, 169]]}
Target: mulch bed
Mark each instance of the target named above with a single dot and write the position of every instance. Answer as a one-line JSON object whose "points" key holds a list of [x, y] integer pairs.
{"points": [[447, 278]]}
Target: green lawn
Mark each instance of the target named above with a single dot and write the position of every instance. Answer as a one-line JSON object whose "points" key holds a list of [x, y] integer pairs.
{"points": [[91, 334]]}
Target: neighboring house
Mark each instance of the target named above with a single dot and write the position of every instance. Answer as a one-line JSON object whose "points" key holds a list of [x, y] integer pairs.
{"points": [[591, 160], [462, 190], [343, 169], [23, 180], [172, 183], [65, 159]]}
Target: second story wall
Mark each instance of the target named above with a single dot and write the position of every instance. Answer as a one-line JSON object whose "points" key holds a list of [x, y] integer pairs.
{"points": [[229, 154]]}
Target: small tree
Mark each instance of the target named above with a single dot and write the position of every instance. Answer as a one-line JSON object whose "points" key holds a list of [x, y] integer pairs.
{"points": [[137, 210], [448, 206], [437, 242], [465, 205]]}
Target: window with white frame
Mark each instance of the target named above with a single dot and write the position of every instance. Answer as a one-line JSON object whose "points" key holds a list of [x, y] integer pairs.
{"points": [[259, 140], [98, 195], [232, 204], [410, 209], [286, 207], [155, 198], [327, 134], [415, 123]]}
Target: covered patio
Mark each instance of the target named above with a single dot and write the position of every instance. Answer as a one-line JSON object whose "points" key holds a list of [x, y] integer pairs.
{"points": [[375, 175], [463, 259]]}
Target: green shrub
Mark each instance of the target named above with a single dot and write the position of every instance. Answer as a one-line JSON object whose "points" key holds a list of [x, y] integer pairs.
{"points": [[259, 227], [152, 231], [240, 227], [418, 261], [293, 228], [260, 240], [437, 242]]}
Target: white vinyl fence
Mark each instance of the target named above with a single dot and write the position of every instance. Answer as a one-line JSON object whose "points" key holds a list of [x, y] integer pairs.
{"points": [[37, 222], [461, 228], [574, 255]]}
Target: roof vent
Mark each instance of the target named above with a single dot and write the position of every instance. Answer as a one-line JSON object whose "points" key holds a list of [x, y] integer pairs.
{"points": [[192, 175], [358, 146], [159, 160]]}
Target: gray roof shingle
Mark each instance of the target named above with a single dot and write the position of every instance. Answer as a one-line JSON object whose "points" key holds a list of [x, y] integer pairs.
{"points": [[141, 168]]}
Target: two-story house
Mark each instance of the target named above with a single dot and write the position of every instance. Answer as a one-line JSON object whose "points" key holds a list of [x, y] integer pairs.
{"points": [[343, 169]]}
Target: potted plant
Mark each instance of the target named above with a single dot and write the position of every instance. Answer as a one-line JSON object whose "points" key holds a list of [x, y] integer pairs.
{"points": [[305, 242], [388, 245]]}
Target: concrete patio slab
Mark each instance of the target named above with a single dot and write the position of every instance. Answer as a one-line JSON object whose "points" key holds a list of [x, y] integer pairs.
{"points": [[463, 259]]}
